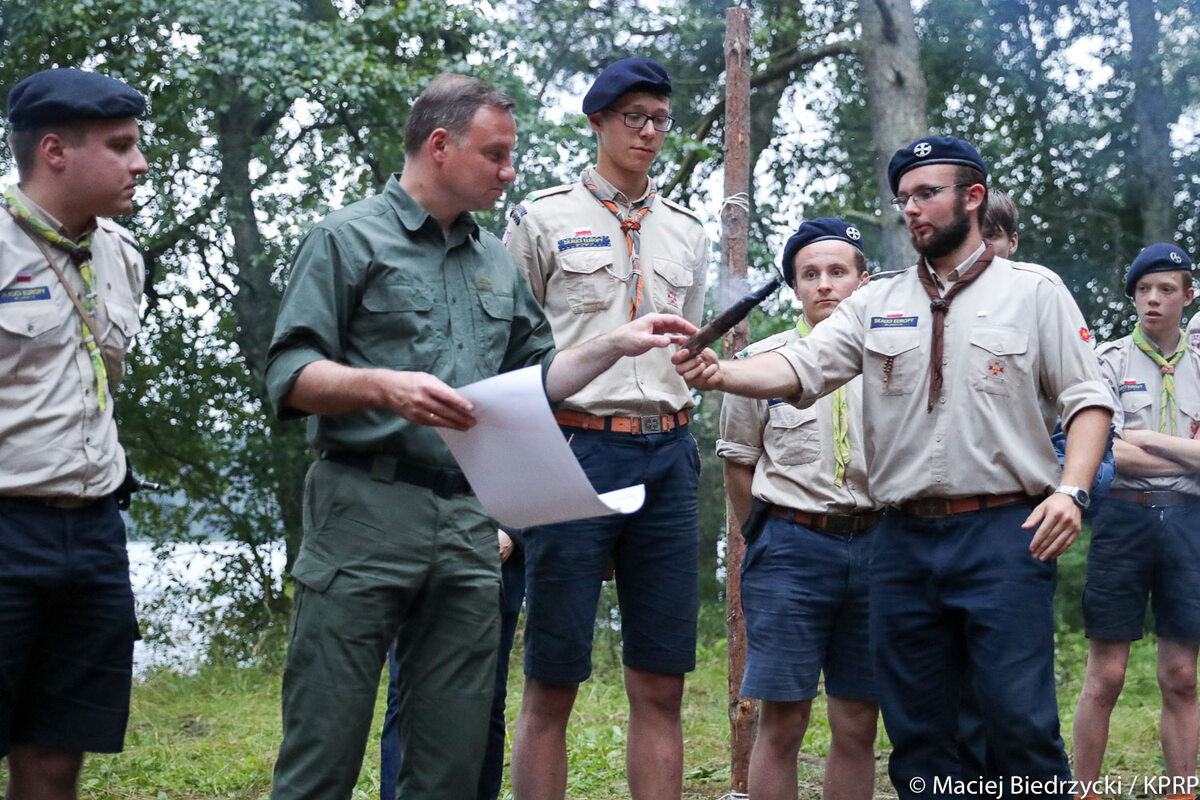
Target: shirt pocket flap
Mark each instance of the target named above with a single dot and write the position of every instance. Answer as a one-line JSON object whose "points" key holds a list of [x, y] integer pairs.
{"points": [[585, 260], [1136, 399], [1190, 408], [31, 324], [124, 318], [397, 297], [784, 415], [673, 272], [1000, 341], [892, 342], [497, 306]]}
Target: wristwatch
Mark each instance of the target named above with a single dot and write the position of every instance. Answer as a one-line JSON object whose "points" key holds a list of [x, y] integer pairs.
{"points": [[1079, 495]]}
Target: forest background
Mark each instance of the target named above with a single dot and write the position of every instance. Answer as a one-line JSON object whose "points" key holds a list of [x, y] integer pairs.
{"points": [[266, 114]]}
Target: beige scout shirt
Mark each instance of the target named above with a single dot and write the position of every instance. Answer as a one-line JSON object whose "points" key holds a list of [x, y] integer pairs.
{"points": [[1136, 386], [791, 449], [1017, 354], [54, 439], [572, 250]]}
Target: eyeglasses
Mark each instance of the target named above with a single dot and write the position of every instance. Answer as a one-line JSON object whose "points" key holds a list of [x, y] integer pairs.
{"points": [[637, 120], [922, 196]]}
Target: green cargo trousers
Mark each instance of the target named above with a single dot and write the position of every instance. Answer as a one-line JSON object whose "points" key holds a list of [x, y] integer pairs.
{"points": [[383, 560]]}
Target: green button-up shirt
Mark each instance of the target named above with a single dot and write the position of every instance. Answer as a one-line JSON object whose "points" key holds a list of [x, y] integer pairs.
{"points": [[376, 284]]}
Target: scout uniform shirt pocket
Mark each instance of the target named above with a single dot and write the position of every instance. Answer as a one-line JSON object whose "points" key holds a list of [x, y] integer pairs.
{"points": [[29, 335], [1137, 401], [994, 362], [793, 434], [495, 322], [672, 281], [397, 331], [123, 326], [588, 274], [894, 359]]}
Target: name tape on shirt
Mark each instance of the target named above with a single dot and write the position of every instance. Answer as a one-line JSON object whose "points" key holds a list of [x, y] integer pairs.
{"points": [[572, 242], [23, 294], [1131, 386], [894, 321]]}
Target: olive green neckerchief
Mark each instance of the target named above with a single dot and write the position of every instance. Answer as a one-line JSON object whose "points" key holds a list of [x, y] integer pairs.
{"points": [[1167, 407], [841, 426], [80, 254]]}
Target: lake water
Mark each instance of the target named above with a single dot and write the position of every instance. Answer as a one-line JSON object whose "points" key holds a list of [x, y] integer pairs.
{"points": [[186, 565]]}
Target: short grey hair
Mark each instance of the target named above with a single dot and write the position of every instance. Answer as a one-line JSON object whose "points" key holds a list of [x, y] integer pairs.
{"points": [[450, 102]]}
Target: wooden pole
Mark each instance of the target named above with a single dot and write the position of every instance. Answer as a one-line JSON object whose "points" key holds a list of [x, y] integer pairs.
{"points": [[735, 229]]}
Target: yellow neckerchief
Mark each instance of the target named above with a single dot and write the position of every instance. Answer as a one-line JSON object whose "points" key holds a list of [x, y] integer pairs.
{"points": [[1166, 409], [841, 423]]}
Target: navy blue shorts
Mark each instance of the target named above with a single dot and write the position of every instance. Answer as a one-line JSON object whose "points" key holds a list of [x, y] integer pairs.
{"points": [[67, 625], [804, 595], [656, 552], [1139, 552]]}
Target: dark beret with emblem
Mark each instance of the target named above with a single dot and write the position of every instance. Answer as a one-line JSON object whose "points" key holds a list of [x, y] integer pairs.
{"points": [[66, 95], [622, 77], [933, 150], [817, 230], [1161, 257]]}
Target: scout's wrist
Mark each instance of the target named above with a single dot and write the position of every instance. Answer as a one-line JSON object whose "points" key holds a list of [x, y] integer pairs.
{"points": [[1077, 493]]}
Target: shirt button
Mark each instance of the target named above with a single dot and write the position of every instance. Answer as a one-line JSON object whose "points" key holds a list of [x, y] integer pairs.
{"points": [[945, 361], [942, 401]]}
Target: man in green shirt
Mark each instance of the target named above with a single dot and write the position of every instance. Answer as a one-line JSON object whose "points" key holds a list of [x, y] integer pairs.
{"points": [[391, 302]]}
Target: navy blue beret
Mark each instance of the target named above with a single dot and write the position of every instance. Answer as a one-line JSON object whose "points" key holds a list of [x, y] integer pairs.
{"points": [[65, 95], [817, 230], [622, 77], [1155, 258], [933, 150]]}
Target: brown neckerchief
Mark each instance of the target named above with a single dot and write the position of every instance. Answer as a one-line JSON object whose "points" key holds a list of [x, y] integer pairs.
{"points": [[940, 306]]}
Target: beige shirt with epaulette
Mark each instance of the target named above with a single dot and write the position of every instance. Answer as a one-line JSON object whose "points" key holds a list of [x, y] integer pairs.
{"points": [[791, 449], [574, 254], [1017, 355], [1135, 382], [54, 439]]}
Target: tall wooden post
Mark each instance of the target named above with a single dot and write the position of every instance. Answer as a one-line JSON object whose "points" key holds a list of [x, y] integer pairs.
{"points": [[735, 228]]}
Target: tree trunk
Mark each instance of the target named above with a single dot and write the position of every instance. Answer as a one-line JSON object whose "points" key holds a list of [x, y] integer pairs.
{"points": [[735, 226], [1152, 134], [897, 101]]}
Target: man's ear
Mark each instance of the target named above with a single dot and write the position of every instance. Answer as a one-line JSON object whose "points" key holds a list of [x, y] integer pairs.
{"points": [[437, 144], [52, 151], [594, 121], [1013, 249]]}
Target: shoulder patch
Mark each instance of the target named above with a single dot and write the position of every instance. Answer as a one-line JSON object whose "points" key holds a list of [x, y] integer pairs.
{"points": [[681, 208]]}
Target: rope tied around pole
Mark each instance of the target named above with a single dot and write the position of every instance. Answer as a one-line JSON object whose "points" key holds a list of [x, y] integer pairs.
{"points": [[738, 200]]}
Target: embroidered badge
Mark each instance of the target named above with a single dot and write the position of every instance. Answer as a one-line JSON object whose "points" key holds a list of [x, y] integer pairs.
{"points": [[572, 242], [24, 294], [996, 367], [923, 149], [1176, 258], [582, 232], [893, 321], [517, 213], [852, 233], [24, 276], [671, 298], [1131, 386], [1194, 340], [507, 237], [1085, 334], [483, 283]]}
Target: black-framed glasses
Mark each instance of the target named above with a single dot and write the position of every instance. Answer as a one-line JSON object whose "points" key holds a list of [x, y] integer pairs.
{"points": [[922, 196], [637, 120]]}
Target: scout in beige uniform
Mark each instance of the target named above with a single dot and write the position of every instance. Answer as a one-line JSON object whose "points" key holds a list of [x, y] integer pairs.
{"points": [[599, 252], [804, 576], [67, 622], [965, 360], [1145, 542]]}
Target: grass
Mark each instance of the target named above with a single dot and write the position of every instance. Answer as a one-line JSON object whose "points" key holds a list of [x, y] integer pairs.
{"points": [[214, 734]]}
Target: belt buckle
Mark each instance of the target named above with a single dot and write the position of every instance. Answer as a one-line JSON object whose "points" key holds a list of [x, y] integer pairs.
{"points": [[1160, 499], [932, 507], [839, 524], [650, 424]]}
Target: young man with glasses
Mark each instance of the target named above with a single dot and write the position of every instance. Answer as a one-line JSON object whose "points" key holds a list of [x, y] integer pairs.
{"points": [[964, 357], [599, 252]]}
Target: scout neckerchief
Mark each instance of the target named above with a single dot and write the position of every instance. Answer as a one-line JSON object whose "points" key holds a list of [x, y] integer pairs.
{"points": [[841, 425], [939, 306], [80, 254], [1167, 365], [631, 226]]}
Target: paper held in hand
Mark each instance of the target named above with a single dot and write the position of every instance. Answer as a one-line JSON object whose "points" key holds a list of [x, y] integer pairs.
{"points": [[518, 462]]}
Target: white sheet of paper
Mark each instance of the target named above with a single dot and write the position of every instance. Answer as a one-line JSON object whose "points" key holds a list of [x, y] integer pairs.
{"points": [[518, 462]]}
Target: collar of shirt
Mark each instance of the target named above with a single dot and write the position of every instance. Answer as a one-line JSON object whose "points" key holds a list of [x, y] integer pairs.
{"points": [[617, 195], [413, 215], [48, 218], [956, 273]]}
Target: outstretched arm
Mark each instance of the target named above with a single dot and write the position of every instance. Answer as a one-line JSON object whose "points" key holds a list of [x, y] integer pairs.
{"points": [[576, 367], [764, 376]]}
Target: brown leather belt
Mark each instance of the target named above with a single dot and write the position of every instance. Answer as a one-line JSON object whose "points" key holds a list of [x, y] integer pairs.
{"points": [[1153, 499], [638, 425], [64, 502], [933, 507], [828, 523]]}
